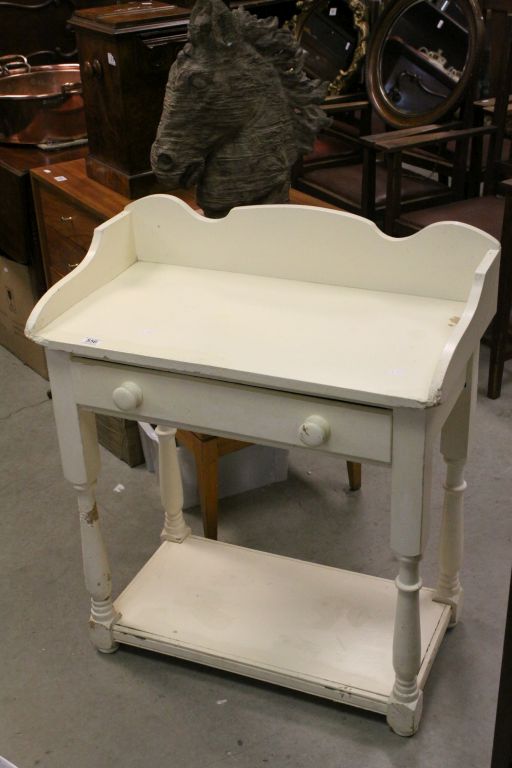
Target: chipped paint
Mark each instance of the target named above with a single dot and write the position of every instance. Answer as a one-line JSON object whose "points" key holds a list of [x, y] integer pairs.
{"points": [[90, 516]]}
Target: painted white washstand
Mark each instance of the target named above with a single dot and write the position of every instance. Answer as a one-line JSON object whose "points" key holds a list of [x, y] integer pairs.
{"points": [[291, 326]]}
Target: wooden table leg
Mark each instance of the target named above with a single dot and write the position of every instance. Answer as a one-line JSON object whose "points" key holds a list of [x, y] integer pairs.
{"points": [[207, 468], [410, 501], [78, 443], [354, 475], [454, 447], [171, 488]]}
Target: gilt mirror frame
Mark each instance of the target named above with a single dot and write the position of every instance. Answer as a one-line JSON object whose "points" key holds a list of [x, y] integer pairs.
{"points": [[359, 9], [377, 94]]}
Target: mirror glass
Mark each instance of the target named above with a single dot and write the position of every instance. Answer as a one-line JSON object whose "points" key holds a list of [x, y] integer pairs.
{"points": [[333, 33], [422, 57]]}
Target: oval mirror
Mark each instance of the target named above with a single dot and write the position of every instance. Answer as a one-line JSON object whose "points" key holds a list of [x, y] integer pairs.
{"points": [[421, 58], [333, 33]]}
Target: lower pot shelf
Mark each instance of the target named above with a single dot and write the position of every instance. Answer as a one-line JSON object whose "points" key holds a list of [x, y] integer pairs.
{"points": [[309, 627]]}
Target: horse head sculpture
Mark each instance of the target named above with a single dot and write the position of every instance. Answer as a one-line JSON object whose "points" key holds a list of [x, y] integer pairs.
{"points": [[238, 111]]}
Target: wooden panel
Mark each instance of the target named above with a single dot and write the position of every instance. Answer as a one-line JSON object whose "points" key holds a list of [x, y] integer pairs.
{"points": [[317, 629], [260, 415]]}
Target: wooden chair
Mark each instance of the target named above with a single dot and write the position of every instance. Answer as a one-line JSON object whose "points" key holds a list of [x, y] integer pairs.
{"points": [[491, 211], [207, 450]]}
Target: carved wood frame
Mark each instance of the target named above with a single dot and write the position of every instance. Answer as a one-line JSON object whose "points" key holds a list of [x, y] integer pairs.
{"points": [[360, 15]]}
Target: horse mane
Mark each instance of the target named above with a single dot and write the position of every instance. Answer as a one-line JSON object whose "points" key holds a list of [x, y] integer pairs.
{"points": [[282, 50]]}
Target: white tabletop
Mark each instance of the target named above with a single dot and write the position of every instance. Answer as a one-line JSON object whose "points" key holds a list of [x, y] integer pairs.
{"points": [[320, 339]]}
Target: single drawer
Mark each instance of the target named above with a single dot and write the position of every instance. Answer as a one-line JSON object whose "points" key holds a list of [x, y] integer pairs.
{"points": [[234, 410], [68, 220]]}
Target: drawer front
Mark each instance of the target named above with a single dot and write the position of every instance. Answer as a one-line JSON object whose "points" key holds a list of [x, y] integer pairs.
{"points": [[68, 220], [234, 410], [61, 254]]}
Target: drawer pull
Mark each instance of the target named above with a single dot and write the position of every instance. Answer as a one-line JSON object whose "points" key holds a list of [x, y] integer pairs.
{"points": [[128, 396], [314, 431], [66, 218]]}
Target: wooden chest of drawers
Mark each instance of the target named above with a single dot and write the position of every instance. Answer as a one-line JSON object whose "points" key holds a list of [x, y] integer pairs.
{"points": [[18, 231], [69, 206]]}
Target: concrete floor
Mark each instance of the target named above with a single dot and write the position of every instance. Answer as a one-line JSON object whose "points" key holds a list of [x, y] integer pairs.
{"points": [[63, 705]]}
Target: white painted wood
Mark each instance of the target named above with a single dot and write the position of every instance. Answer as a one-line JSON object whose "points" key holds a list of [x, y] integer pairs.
{"points": [[406, 698], [461, 344], [261, 415], [128, 396], [454, 447], [311, 245], [309, 627], [315, 431], [76, 431], [449, 588], [171, 488], [411, 478], [111, 252], [410, 505], [335, 304], [341, 351], [254, 326]]}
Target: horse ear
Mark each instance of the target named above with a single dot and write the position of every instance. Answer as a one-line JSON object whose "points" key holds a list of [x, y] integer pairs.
{"points": [[212, 25]]}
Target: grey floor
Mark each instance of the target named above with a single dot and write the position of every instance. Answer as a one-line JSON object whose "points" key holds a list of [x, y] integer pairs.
{"points": [[63, 705]]}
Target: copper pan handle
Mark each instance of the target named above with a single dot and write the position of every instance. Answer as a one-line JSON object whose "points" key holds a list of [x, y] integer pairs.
{"points": [[13, 63], [69, 88]]}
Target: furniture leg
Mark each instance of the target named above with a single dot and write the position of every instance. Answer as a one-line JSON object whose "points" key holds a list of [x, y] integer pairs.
{"points": [[454, 447], [500, 330], [354, 475], [207, 483], [406, 700], [171, 488], [410, 502], [76, 431]]}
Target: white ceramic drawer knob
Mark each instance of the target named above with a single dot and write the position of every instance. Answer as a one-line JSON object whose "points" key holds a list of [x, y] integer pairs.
{"points": [[314, 431], [128, 396]]}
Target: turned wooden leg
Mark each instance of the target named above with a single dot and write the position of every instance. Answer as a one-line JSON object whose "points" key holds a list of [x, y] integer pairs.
{"points": [[76, 431], [410, 504], [449, 589], [171, 489], [454, 447], [406, 700], [354, 475], [98, 580]]}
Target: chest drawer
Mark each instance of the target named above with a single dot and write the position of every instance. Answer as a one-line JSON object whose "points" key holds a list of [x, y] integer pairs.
{"points": [[67, 220], [234, 410], [67, 232]]}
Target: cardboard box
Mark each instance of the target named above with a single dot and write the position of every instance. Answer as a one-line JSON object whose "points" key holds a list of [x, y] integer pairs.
{"points": [[17, 298]]}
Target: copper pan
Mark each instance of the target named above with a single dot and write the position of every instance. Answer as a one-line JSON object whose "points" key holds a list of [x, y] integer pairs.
{"points": [[40, 105]]}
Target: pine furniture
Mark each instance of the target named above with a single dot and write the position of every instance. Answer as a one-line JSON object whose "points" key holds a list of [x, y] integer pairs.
{"points": [[305, 327]]}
